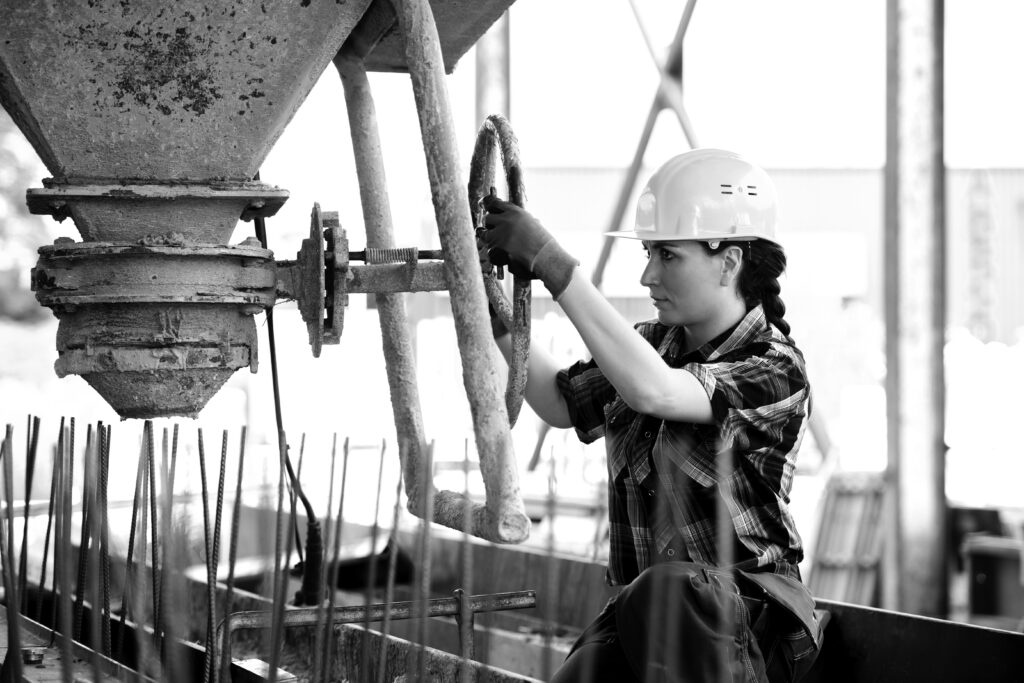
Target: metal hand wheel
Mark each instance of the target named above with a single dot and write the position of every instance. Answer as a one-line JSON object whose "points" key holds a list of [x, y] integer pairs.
{"points": [[495, 139]]}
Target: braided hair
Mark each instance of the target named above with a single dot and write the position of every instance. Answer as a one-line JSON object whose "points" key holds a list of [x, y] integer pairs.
{"points": [[764, 262]]}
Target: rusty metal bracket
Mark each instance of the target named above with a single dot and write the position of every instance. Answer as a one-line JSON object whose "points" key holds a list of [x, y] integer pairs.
{"points": [[322, 276]]}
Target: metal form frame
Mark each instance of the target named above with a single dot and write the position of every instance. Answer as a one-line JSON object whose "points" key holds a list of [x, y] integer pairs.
{"points": [[669, 95]]}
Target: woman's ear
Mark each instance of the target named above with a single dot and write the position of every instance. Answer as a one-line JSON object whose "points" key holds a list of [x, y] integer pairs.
{"points": [[732, 259]]}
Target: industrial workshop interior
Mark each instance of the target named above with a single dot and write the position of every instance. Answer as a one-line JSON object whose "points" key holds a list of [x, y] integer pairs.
{"points": [[258, 422]]}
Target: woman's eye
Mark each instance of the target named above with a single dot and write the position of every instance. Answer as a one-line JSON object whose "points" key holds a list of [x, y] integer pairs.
{"points": [[665, 255], [647, 253]]}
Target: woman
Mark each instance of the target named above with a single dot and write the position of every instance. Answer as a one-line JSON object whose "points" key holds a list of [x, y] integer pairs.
{"points": [[703, 411]]}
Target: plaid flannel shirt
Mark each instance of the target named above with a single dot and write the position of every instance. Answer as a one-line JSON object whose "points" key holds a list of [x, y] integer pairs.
{"points": [[668, 480]]}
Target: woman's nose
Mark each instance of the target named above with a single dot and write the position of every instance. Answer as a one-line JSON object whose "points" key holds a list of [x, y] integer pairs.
{"points": [[650, 275]]}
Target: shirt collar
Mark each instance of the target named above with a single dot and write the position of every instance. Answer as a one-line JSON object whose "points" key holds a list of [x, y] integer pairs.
{"points": [[752, 326]]}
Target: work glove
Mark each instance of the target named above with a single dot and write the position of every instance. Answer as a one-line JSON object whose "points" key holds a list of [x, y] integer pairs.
{"points": [[531, 250]]}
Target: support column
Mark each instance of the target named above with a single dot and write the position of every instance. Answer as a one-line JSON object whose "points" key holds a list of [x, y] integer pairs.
{"points": [[915, 301]]}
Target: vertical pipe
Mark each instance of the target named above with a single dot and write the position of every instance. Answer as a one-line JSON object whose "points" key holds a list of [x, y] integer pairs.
{"points": [[919, 306], [399, 354], [468, 302]]}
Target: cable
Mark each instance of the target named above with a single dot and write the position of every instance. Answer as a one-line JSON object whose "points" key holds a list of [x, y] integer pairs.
{"points": [[314, 543]]}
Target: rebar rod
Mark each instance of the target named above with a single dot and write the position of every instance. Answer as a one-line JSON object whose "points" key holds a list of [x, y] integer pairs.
{"points": [[339, 524], [371, 578], [211, 589], [225, 653], [215, 554], [10, 579], [31, 447], [49, 526], [67, 483], [57, 508], [154, 534], [84, 540], [466, 630], [129, 570], [320, 636], [105, 538], [423, 556], [276, 642], [389, 586], [139, 602], [550, 579], [166, 505], [92, 577]]}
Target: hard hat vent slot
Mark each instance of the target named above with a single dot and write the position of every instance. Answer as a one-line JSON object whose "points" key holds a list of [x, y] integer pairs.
{"points": [[739, 189]]}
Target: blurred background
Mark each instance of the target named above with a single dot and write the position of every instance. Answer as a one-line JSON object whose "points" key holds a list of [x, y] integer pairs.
{"points": [[798, 87]]}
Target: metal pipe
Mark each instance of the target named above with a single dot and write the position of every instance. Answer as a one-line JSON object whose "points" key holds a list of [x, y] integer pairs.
{"points": [[399, 354], [503, 519], [411, 609]]}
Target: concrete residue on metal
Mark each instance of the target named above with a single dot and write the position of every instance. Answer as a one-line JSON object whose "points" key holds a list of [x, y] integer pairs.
{"points": [[155, 90]]}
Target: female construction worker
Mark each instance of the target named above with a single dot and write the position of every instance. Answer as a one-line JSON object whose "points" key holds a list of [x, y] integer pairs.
{"points": [[702, 410]]}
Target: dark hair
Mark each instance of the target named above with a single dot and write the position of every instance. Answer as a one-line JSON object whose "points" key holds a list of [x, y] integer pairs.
{"points": [[763, 263]]}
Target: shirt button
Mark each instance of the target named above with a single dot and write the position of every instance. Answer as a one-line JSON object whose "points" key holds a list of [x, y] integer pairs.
{"points": [[647, 435], [671, 553]]}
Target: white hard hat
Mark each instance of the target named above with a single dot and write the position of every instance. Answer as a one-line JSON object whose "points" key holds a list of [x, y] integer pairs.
{"points": [[705, 194]]}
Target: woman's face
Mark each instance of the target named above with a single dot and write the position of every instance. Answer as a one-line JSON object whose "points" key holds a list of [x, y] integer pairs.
{"points": [[684, 281]]}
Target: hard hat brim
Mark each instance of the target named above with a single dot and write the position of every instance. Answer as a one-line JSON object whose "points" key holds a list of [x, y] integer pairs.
{"points": [[651, 236]]}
